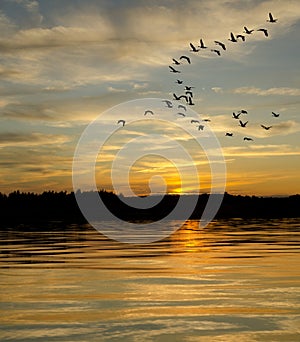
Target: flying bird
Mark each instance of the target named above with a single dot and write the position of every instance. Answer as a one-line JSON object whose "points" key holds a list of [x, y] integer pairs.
{"points": [[175, 61], [247, 31], [223, 46], [148, 112], [193, 48], [202, 45], [216, 51], [186, 58], [266, 127], [189, 93], [243, 124], [229, 134], [241, 36], [182, 114], [179, 82], [200, 127], [180, 97], [265, 31], [242, 111], [206, 120], [188, 88], [235, 116], [232, 38], [195, 121], [173, 70], [168, 103], [271, 19], [247, 138], [276, 115], [182, 106], [122, 122]]}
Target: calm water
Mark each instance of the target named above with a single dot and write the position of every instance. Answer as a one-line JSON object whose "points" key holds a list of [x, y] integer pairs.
{"points": [[233, 280]]}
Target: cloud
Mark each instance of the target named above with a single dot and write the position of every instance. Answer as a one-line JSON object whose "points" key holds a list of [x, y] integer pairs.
{"points": [[267, 92]]}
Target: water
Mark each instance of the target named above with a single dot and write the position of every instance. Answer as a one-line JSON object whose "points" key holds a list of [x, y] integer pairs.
{"points": [[233, 280]]}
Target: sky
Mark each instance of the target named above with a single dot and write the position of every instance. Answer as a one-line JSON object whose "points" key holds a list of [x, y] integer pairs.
{"points": [[66, 63]]}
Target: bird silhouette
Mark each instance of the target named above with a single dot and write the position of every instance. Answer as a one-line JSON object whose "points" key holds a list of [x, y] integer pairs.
{"points": [[271, 19], [179, 82], [122, 122], [242, 111], [232, 38], [229, 134], [181, 114], [186, 58], [175, 61], [200, 127], [180, 97], [276, 115], [216, 51], [202, 45], [173, 70], [148, 112], [195, 121], [168, 103], [206, 120], [266, 127], [247, 138], [189, 93], [223, 46], [265, 31], [235, 116], [188, 87], [190, 101], [247, 31], [241, 36], [193, 48], [182, 107], [243, 124]]}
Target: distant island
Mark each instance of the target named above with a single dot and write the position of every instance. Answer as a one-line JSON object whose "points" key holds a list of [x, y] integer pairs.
{"points": [[27, 207]]}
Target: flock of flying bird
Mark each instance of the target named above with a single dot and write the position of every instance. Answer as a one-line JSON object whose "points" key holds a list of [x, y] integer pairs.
{"points": [[188, 92]]}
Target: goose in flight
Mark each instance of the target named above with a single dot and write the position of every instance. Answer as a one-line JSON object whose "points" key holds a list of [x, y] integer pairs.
{"points": [[122, 122], [148, 112], [223, 46], [180, 97], [173, 70], [188, 87], [265, 31], [182, 106], [247, 138], [271, 19], [181, 114], [186, 58], [276, 115], [202, 45], [168, 103], [247, 31], [266, 127], [206, 120], [235, 116], [229, 134], [241, 36], [175, 61], [190, 101], [189, 93], [194, 121], [200, 127], [242, 111], [179, 82], [232, 38], [243, 124], [193, 48], [216, 51]]}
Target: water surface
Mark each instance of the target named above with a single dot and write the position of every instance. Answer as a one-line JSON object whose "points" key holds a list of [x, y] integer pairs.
{"points": [[233, 280]]}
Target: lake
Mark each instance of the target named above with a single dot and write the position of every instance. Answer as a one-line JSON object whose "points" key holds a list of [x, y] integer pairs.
{"points": [[233, 280]]}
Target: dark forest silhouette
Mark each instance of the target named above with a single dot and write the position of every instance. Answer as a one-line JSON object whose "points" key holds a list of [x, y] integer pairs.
{"points": [[22, 207]]}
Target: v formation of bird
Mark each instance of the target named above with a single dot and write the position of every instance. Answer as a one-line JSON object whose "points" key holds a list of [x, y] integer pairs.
{"points": [[188, 96]]}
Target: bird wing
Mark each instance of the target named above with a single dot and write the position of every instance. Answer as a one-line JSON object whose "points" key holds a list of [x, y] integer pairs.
{"points": [[187, 58]]}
